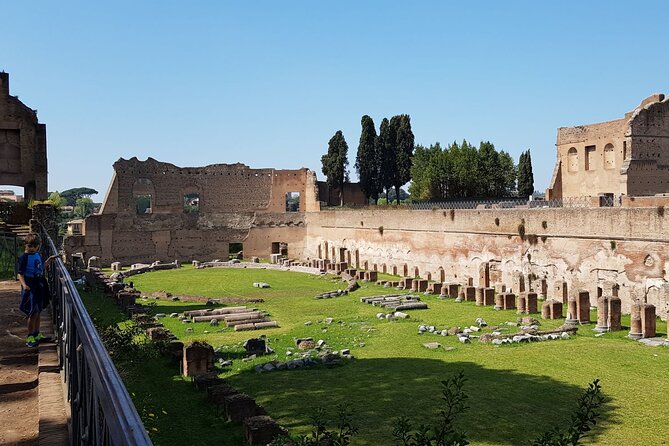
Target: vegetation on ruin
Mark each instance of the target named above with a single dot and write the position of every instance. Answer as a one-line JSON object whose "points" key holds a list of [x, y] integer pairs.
{"points": [[516, 392]]}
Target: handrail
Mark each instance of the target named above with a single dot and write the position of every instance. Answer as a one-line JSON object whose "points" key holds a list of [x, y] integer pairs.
{"points": [[101, 409]]}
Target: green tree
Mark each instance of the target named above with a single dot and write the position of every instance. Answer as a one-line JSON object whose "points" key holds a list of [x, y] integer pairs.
{"points": [[335, 163], [386, 149], [525, 175], [83, 207], [404, 148], [72, 195], [56, 200], [506, 179], [368, 160]]}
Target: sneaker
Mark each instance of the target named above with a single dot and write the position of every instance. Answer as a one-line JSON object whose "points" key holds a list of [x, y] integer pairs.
{"points": [[31, 341], [41, 338]]}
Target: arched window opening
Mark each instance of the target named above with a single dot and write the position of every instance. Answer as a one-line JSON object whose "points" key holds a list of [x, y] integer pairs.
{"points": [[572, 160], [609, 157]]}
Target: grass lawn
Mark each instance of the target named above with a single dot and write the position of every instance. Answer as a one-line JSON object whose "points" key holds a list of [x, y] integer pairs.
{"points": [[515, 391]]}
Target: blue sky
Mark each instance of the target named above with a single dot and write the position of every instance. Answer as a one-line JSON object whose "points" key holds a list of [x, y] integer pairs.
{"points": [[268, 83]]}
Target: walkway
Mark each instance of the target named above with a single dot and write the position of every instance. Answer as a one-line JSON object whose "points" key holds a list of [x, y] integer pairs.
{"points": [[32, 408]]}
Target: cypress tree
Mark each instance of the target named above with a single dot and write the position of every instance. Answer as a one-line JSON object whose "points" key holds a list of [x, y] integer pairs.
{"points": [[335, 163], [525, 175], [367, 162], [404, 148], [388, 157]]}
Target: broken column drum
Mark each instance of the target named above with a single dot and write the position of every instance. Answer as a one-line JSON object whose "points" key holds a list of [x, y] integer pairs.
{"points": [[602, 314], [635, 322]]}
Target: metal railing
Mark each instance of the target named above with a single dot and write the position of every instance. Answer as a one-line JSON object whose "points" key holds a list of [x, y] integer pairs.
{"points": [[102, 412], [576, 202]]}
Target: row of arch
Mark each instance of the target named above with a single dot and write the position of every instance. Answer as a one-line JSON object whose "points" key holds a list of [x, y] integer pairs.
{"points": [[590, 153]]}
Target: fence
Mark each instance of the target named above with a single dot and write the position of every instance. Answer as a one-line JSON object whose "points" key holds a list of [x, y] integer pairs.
{"points": [[102, 412], [576, 202]]}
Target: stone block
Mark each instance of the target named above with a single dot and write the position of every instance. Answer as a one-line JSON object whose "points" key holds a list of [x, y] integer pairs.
{"points": [[372, 276], [240, 406], [531, 302], [522, 303], [551, 309], [615, 312], [488, 296], [470, 294], [261, 430], [583, 306], [420, 285], [500, 288], [499, 301], [407, 283], [116, 266], [453, 290], [648, 321], [198, 359], [509, 301]]}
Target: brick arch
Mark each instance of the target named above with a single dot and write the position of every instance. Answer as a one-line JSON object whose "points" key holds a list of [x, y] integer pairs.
{"points": [[405, 270], [394, 270], [442, 274], [384, 269], [416, 272], [428, 276]]}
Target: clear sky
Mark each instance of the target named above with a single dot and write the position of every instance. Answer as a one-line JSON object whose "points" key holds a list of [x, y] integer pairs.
{"points": [[267, 83]]}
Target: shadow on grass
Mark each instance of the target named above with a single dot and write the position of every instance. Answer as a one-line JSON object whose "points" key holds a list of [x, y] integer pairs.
{"points": [[506, 406]]}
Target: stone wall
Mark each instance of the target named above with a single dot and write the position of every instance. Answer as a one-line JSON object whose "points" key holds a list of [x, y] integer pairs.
{"points": [[236, 204], [22, 145], [586, 248]]}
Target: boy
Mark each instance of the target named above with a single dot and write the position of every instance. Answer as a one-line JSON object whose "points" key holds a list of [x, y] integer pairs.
{"points": [[34, 288]]}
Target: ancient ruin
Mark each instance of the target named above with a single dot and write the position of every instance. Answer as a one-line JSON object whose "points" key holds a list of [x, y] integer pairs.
{"points": [[628, 156], [22, 145], [156, 211]]}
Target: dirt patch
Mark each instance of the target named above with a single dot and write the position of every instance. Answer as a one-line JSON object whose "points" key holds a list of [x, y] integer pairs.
{"points": [[19, 412]]}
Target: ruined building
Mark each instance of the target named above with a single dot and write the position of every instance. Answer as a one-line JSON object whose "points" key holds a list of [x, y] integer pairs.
{"points": [[628, 156], [158, 211], [22, 145]]}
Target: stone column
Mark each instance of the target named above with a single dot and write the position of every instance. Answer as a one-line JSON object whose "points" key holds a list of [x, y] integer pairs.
{"points": [[572, 311], [500, 288], [614, 314], [479, 296], [635, 322], [532, 304], [518, 282], [602, 314], [522, 303], [499, 301], [648, 321], [546, 310], [583, 307], [488, 296], [444, 291], [484, 275], [470, 294], [198, 358]]}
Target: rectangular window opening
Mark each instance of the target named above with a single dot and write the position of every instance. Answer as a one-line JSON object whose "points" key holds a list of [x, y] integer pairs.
{"points": [[589, 157], [293, 202], [143, 204], [192, 203], [236, 251]]}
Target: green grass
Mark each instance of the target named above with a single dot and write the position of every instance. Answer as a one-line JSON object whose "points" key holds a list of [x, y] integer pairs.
{"points": [[515, 391]]}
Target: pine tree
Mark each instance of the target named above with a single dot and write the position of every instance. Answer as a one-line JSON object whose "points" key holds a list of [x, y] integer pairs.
{"points": [[367, 162], [335, 163]]}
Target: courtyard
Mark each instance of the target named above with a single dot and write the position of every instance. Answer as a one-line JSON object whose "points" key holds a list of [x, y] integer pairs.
{"points": [[516, 391]]}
